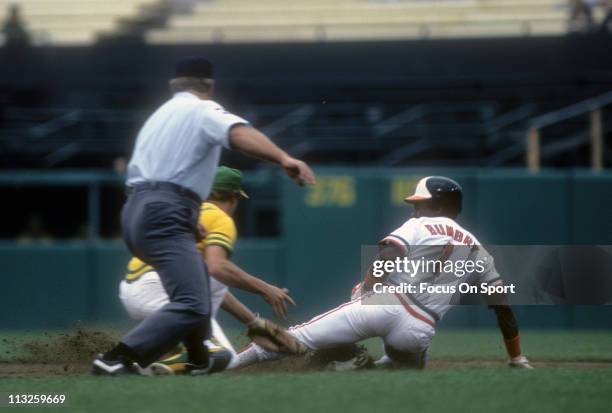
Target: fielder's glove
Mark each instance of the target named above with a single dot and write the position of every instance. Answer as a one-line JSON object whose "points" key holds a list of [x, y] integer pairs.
{"points": [[273, 337], [520, 362]]}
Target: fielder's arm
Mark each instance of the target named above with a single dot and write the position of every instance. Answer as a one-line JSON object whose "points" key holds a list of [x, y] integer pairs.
{"points": [[252, 142], [230, 274], [237, 309]]}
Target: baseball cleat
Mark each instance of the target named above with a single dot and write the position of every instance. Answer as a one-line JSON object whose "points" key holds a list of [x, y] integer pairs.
{"points": [[143, 371], [520, 362], [160, 369], [361, 361], [200, 370], [384, 361], [220, 358], [118, 367], [179, 363], [175, 364]]}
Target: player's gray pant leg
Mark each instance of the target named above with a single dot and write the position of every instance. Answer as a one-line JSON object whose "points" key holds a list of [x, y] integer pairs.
{"points": [[159, 228]]}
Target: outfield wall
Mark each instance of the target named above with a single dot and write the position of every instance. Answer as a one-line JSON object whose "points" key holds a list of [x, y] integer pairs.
{"points": [[318, 256], [66, 283]]}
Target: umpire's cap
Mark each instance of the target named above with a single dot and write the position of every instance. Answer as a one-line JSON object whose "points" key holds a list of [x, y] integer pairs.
{"points": [[194, 66], [229, 180], [439, 190]]}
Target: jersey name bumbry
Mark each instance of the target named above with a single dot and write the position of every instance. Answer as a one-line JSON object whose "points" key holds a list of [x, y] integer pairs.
{"points": [[447, 230]]}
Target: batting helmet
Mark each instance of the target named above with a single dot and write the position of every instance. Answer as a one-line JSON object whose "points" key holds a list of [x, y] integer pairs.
{"points": [[441, 191]]}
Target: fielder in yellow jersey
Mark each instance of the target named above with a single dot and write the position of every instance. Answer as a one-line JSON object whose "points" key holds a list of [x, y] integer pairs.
{"points": [[220, 230], [142, 292]]}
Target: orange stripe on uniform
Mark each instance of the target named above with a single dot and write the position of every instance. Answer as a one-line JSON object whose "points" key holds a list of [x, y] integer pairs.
{"points": [[413, 312]]}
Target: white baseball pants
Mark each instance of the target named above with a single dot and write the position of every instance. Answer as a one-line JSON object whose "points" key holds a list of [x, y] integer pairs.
{"points": [[404, 328], [146, 295]]}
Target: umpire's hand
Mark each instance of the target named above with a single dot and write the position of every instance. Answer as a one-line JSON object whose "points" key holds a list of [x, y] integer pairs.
{"points": [[252, 142], [299, 171]]}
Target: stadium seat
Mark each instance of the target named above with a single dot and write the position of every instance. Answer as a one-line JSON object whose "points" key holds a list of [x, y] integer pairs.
{"points": [[68, 22], [315, 20], [74, 22]]}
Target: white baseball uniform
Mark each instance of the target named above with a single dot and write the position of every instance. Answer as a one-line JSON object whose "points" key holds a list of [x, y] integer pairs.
{"points": [[405, 322]]}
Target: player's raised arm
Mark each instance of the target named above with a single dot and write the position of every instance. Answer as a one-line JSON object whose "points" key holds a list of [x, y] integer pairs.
{"points": [[252, 142]]}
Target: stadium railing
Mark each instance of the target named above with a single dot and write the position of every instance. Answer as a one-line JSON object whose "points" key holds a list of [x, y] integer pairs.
{"points": [[385, 131], [460, 132], [593, 107], [263, 182]]}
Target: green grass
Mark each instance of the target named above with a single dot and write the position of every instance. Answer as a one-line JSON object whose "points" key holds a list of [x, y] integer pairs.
{"points": [[482, 389], [476, 390], [577, 345]]}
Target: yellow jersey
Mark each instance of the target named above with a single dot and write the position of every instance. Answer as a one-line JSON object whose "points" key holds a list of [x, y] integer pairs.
{"points": [[220, 230]]}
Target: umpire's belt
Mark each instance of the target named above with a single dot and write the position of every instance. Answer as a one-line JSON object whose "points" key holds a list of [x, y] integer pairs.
{"points": [[164, 186]]}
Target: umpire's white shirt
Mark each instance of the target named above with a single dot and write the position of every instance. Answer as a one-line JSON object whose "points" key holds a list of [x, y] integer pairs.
{"points": [[181, 143]]}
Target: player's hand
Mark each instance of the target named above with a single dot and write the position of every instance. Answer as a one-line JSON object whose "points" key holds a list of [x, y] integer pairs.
{"points": [[520, 362], [278, 298], [298, 171]]}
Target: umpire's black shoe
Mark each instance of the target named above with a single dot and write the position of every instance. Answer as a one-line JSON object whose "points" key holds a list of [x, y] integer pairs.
{"points": [[118, 367]]}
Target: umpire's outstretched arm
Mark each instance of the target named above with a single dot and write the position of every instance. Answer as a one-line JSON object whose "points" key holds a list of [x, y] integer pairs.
{"points": [[252, 142]]}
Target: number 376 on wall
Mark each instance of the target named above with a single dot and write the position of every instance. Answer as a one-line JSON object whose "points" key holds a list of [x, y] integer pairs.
{"points": [[332, 191], [341, 191]]}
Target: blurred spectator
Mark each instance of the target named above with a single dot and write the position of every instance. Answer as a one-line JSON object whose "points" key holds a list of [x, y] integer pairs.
{"points": [[15, 33], [183, 6], [582, 18], [120, 165], [606, 24], [34, 231], [581, 15]]}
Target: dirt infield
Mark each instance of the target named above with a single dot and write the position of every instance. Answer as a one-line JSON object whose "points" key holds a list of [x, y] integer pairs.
{"points": [[73, 347], [54, 353], [42, 369]]}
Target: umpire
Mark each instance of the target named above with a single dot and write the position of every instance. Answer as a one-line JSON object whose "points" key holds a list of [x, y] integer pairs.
{"points": [[171, 170]]}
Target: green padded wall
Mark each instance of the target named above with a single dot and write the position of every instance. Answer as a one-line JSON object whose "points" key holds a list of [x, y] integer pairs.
{"points": [[318, 255]]}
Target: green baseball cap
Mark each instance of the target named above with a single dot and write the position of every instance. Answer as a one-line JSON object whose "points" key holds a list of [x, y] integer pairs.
{"points": [[229, 180]]}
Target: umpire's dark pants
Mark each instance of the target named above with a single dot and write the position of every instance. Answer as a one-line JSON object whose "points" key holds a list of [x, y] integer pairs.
{"points": [[159, 224]]}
